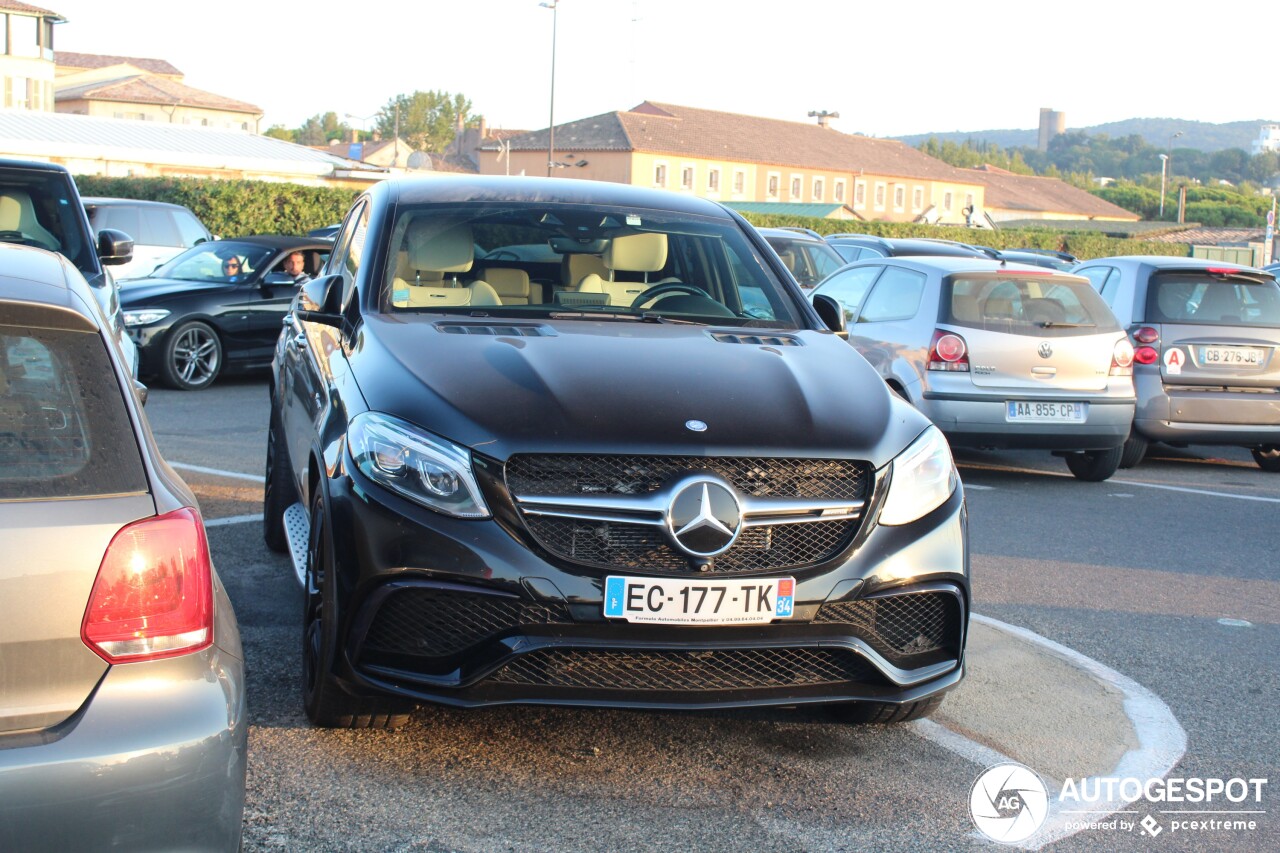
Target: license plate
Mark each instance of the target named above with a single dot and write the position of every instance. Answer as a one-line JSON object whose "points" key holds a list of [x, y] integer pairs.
{"points": [[753, 601], [1061, 412], [1247, 356]]}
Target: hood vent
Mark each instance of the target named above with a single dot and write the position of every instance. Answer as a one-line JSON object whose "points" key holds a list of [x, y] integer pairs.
{"points": [[493, 330], [757, 340]]}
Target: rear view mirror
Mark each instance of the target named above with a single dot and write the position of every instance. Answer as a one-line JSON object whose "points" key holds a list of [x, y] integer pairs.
{"points": [[831, 313], [114, 247], [576, 246]]}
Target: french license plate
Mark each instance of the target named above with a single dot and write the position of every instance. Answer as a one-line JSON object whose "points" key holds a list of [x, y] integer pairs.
{"points": [[752, 601], [1060, 412], [1247, 356]]}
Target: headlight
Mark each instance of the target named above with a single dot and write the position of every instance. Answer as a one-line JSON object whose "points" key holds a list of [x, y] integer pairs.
{"points": [[144, 316], [422, 467], [924, 476]]}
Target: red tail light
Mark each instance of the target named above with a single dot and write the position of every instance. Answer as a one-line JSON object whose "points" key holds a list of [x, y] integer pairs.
{"points": [[948, 351], [153, 597], [1146, 335], [1149, 339], [1146, 355], [1122, 358], [1221, 270]]}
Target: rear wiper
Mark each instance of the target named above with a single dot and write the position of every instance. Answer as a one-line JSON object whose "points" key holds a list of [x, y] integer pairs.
{"points": [[1058, 324]]}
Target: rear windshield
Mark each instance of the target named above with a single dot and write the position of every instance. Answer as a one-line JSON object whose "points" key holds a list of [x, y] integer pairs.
{"points": [[1031, 305], [64, 428], [1205, 299]]}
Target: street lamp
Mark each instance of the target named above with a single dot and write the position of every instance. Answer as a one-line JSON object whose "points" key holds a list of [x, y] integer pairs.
{"points": [[1164, 168], [551, 120]]}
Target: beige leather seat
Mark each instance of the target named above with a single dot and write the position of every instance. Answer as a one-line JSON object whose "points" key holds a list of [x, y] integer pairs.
{"points": [[965, 308], [513, 286], [642, 253], [574, 268], [430, 250], [17, 213]]}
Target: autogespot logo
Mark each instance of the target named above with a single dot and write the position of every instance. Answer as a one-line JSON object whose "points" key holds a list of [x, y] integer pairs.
{"points": [[1008, 803]]}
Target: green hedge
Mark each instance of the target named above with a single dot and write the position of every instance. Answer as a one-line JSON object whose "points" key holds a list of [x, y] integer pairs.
{"points": [[1083, 244], [234, 208]]}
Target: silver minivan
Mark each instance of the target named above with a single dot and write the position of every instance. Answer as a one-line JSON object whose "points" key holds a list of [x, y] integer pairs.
{"points": [[1206, 338], [997, 355]]}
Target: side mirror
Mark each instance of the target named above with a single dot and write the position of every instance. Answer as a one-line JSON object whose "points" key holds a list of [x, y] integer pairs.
{"points": [[318, 299], [831, 313], [114, 247]]}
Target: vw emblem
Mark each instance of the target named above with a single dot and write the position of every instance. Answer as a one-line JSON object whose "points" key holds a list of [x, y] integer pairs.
{"points": [[696, 426], [1045, 350], [704, 518]]}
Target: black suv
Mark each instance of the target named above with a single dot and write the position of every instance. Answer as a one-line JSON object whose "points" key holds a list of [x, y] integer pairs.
{"points": [[669, 485], [40, 206], [855, 247]]}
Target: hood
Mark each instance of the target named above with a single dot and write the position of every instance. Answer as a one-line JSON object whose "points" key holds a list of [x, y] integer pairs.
{"points": [[587, 386], [144, 291]]}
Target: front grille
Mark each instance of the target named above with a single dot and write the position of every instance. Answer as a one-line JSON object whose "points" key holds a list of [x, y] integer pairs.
{"points": [[432, 623], [618, 545], [901, 627], [720, 669]]}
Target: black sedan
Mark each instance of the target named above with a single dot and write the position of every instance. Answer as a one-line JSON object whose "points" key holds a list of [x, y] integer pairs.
{"points": [[217, 306]]}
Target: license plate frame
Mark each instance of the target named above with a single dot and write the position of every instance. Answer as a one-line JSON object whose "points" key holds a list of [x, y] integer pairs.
{"points": [[1035, 411], [1230, 356], [698, 601]]}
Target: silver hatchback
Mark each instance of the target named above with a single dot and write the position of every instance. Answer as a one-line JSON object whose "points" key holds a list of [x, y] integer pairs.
{"points": [[997, 355], [122, 700], [1207, 351]]}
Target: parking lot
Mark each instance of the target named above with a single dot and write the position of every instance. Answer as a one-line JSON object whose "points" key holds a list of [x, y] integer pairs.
{"points": [[1159, 588]]}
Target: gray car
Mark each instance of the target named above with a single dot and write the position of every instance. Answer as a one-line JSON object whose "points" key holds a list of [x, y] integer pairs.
{"points": [[996, 355], [122, 704], [1207, 351]]}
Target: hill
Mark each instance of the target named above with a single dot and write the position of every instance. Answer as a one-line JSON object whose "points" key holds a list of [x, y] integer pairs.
{"points": [[1200, 135]]}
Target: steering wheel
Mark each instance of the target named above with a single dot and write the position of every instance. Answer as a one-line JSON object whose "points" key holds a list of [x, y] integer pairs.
{"points": [[669, 287], [502, 255]]}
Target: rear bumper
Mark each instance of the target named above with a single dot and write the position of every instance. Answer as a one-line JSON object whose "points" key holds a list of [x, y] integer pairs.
{"points": [[1207, 416], [979, 420], [154, 760]]}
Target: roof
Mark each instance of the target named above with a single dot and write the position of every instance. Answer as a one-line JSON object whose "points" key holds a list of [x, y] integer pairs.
{"points": [[277, 241], [821, 211], [1214, 236], [1007, 191], [149, 89], [99, 60], [12, 6], [28, 133], [102, 201], [1138, 229], [667, 128]]}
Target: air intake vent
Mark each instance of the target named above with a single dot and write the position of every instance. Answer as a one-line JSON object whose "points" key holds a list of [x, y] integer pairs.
{"points": [[757, 340], [511, 331]]}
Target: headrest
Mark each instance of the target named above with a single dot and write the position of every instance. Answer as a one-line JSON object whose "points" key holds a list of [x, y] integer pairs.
{"points": [[447, 250], [15, 209], [637, 253], [964, 307], [578, 266], [508, 282]]}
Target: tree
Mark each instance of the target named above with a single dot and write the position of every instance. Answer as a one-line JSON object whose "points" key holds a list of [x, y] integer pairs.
{"points": [[428, 120], [279, 131]]}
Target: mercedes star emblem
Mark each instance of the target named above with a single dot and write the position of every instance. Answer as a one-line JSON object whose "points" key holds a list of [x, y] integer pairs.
{"points": [[704, 518], [696, 426]]}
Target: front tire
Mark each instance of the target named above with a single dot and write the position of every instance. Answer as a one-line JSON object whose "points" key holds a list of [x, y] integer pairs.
{"points": [[192, 356], [881, 713], [1268, 457], [278, 491], [326, 703], [1094, 466]]}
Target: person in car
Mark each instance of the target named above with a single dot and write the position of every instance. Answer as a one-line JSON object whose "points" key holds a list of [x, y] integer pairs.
{"points": [[294, 266], [233, 267]]}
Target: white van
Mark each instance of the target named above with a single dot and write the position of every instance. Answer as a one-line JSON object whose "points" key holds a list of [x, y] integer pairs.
{"points": [[159, 230]]}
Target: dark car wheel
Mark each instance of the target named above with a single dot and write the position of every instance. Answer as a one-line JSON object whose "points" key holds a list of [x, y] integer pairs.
{"points": [[877, 713], [279, 492], [192, 356], [1268, 457], [1135, 447], [1094, 466], [324, 700]]}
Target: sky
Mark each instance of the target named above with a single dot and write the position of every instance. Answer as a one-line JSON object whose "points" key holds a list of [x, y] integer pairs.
{"points": [[888, 68]]}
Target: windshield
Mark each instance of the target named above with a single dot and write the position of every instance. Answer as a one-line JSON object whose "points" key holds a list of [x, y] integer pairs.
{"points": [[810, 261], [221, 261], [539, 260], [38, 209], [1025, 304]]}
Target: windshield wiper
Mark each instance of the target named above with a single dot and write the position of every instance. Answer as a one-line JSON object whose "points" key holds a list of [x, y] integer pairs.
{"points": [[1059, 324], [646, 317]]}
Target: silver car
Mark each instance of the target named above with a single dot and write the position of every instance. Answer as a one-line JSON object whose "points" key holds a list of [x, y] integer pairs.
{"points": [[1207, 351], [122, 692], [997, 355]]}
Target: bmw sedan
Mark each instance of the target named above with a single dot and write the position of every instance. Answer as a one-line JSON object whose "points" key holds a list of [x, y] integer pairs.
{"points": [[122, 708], [630, 492], [217, 307], [997, 355]]}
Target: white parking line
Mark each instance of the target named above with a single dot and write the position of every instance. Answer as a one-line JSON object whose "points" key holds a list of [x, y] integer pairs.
{"points": [[1161, 739], [235, 475], [1205, 492]]}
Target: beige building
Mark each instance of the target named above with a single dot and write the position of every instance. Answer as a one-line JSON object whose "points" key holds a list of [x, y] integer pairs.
{"points": [[1020, 197], [26, 56], [143, 89], [738, 158]]}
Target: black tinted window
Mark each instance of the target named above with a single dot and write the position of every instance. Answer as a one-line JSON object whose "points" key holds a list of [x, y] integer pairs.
{"points": [[1206, 299], [64, 428]]}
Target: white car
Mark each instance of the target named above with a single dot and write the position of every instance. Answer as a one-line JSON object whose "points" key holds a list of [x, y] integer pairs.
{"points": [[159, 230]]}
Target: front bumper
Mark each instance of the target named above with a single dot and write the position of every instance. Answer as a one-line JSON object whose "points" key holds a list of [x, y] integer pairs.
{"points": [[154, 760], [471, 613]]}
